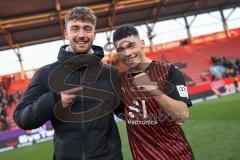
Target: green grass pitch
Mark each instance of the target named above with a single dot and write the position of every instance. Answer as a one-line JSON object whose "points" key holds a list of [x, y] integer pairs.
{"points": [[213, 132]]}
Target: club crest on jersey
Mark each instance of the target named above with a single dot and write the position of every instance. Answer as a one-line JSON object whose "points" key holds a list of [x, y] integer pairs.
{"points": [[182, 90]]}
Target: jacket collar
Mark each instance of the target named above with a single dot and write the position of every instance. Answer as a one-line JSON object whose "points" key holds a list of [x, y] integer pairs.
{"points": [[64, 54]]}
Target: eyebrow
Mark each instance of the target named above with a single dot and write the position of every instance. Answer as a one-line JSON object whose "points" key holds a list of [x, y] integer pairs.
{"points": [[125, 41], [127, 44], [86, 26], [75, 26]]}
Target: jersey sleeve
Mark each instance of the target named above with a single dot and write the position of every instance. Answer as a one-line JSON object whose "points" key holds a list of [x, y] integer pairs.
{"points": [[179, 89]]}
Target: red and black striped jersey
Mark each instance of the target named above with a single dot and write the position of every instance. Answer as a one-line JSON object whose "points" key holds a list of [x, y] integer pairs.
{"points": [[152, 133]]}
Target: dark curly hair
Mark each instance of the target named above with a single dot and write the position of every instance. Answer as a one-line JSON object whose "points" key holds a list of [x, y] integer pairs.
{"points": [[125, 31]]}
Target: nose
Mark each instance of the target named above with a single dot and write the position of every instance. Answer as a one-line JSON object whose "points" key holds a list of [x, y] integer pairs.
{"points": [[81, 33], [127, 52]]}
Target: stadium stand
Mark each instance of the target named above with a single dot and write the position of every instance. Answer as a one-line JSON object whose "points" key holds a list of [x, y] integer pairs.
{"points": [[10, 93], [228, 47], [197, 55], [195, 63], [16, 88]]}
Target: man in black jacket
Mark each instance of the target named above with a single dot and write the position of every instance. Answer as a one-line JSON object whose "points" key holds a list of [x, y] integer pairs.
{"points": [[76, 95]]}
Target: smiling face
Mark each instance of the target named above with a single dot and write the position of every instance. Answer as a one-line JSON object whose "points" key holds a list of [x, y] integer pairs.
{"points": [[130, 51], [80, 35]]}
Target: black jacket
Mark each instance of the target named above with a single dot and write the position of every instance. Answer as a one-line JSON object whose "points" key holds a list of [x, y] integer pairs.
{"points": [[93, 139]]}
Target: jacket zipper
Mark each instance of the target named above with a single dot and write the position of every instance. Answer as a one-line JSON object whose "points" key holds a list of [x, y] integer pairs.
{"points": [[79, 75]]}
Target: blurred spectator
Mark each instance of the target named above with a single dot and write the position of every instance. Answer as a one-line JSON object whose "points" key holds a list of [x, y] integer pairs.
{"points": [[10, 100], [4, 125], [3, 117], [6, 82], [223, 67], [6, 100], [217, 71], [236, 83], [237, 63], [3, 112]]}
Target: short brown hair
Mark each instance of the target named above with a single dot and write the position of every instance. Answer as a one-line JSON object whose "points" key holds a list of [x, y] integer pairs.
{"points": [[81, 13]]}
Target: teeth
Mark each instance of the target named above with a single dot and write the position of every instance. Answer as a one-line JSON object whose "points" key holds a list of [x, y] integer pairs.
{"points": [[81, 42], [130, 60]]}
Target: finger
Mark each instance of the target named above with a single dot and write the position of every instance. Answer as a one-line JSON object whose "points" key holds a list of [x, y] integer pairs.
{"points": [[67, 102], [138, 83], [72, 91], [141, 87], [68, 96], [72, 96]]}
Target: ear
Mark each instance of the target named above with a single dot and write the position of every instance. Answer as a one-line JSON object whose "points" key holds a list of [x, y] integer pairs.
{"points": [[66, 34], [142, 42], [94, 35]]}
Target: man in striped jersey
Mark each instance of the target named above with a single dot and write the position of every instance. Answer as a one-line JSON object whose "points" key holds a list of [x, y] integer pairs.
{"points": [[156, 101]]}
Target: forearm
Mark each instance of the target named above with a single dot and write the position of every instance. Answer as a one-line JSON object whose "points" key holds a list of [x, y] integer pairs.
{"points": [[36, 113], [176, 109]]}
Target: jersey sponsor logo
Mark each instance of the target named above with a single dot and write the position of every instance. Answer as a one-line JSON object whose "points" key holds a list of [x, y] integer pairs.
{"points": [[138, 114], [145, 122], [136, 108], [182, 90]]}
